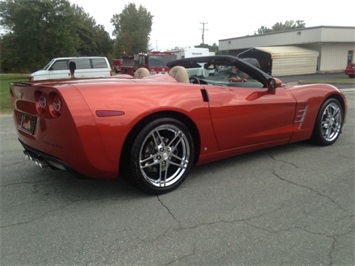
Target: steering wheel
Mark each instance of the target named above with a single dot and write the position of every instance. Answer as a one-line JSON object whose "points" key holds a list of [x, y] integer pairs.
{"points": [[194, 80]]}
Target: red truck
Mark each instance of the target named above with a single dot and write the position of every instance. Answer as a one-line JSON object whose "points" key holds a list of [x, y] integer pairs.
{"points": [[154, 61], [116, 65]]}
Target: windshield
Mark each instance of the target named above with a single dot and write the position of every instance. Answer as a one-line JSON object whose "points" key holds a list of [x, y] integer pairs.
{"points": [[128, 62], [160, 60], [224, 70], [48, 65], [227, 75]]}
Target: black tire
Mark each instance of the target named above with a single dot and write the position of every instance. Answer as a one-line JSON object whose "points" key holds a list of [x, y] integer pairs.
{"points": [[329, 123], [351, 76], [161, 156]]}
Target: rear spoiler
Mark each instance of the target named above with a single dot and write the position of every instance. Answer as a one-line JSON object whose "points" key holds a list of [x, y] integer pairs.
{"points": [[21, 83]]}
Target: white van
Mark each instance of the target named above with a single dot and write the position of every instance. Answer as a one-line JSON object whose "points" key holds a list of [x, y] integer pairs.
{"points": [[83, 67]]}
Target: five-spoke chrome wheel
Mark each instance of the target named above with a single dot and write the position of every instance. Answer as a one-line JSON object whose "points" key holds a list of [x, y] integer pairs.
{"points": [[162, 155], [329, 122]]}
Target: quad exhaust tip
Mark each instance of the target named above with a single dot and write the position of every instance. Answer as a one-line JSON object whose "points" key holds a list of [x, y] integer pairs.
{"points": [[36, 159]]}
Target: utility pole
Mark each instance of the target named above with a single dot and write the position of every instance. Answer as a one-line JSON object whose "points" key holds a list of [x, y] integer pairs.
{"points": [[203, 31]]}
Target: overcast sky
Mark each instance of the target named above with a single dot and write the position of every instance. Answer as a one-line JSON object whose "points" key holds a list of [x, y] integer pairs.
{"points": [[179, 23]]}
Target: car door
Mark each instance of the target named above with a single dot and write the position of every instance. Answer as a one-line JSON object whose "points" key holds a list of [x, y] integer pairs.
{"points": [[250, 116]]}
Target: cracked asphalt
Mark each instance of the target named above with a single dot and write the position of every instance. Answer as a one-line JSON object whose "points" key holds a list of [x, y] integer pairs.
{"points": [[290, 205]]}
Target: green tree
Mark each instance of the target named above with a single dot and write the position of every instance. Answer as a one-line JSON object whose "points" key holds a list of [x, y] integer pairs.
{"points": [[93, 39], [279, 26], [38, 30], [132, 30], [211, 48]]}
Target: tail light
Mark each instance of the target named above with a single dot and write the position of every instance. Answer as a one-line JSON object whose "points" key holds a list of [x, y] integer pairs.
{"points": [[41, 102], [55, 105], [48, 104]]}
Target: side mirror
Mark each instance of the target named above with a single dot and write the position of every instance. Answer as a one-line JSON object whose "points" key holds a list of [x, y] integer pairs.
{"points": [[272, 84]]}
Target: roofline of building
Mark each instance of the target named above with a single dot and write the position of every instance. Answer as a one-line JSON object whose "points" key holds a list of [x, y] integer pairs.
{"points": [[297, 29]]}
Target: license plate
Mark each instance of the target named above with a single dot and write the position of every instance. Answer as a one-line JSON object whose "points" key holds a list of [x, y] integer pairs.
{"points": [[28, 123]]}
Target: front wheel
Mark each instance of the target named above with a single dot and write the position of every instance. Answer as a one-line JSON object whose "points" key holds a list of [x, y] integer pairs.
{"points": [[329, 122], [161, 155]]}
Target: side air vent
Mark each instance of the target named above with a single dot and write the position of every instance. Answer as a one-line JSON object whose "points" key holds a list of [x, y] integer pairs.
{"points": [[300, 114]]}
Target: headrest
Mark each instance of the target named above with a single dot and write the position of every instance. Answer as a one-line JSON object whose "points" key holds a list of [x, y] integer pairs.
{"points": [[180, 74], [141, 73]]}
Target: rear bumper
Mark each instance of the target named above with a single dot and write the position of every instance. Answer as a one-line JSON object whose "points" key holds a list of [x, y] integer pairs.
{"points": [[42, 159]]}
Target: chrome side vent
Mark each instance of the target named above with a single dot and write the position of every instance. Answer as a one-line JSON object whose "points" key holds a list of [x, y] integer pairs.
{"points": [[300, 115]]}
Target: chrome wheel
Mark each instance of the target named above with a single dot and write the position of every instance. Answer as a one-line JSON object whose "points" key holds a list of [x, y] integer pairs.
{"points": [[331, 122], [161, 155], [164, 156]]}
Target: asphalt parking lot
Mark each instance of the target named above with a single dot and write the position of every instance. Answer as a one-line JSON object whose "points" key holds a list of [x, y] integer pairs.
{"points": [[290, 205]]}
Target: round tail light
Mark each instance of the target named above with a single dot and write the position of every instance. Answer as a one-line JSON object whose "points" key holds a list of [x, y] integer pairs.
{"points": [[55, 106], [41, 102]]}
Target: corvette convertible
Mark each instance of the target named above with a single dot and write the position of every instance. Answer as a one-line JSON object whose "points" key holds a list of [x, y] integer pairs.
{"points": [[153, 128]]}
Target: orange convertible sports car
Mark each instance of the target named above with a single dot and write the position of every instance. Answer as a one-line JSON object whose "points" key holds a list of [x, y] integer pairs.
{"points": [[154, 128]]}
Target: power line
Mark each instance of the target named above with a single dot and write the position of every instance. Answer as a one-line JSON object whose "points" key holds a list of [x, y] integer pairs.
{"points": [[203, 31]]}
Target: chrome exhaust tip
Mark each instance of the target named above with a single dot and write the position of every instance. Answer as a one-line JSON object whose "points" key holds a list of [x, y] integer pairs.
{"points": [[36, 159], [41, 163]]}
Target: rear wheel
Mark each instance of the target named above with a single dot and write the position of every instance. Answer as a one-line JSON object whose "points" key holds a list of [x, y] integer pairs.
{"points": [[329, 122], [161, 155]]}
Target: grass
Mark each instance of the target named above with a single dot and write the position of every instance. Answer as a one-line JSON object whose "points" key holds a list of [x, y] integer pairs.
{"points": [[5, 99]]}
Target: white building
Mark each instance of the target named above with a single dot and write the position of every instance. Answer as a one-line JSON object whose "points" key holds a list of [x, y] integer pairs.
{"points": [[300, 51]]}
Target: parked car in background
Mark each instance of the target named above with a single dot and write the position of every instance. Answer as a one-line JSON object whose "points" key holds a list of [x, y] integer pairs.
{"points": [[350, 70], [155, 128], [83, 67]]}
